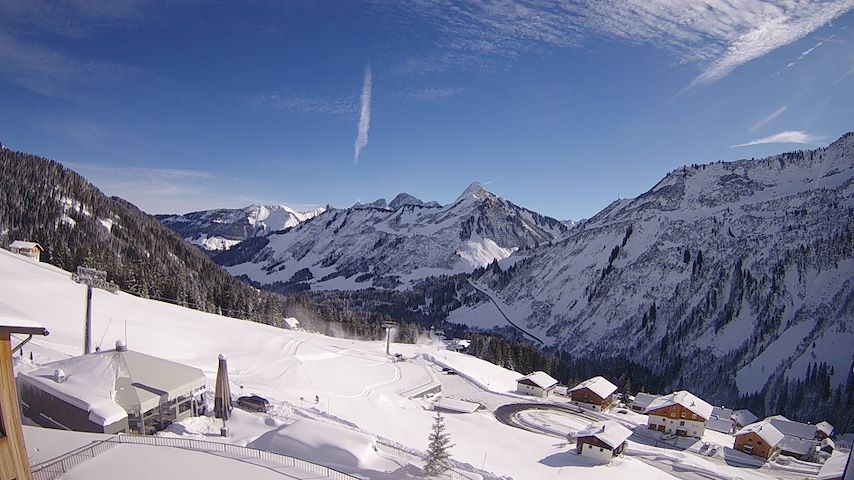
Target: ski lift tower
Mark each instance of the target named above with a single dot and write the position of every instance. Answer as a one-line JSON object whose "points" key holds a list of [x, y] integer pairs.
{"points": [[92, 278], [388, 325]]}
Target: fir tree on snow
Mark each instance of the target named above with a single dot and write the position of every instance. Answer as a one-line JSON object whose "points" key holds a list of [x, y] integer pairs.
{"points": [[438, 450]]}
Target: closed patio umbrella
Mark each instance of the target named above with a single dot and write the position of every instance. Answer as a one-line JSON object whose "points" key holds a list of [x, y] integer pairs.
{"points": [[222, 394]]}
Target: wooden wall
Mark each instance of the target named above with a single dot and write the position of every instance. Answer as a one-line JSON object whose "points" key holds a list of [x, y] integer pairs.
{"points": [[760, 448], [587, 396], [14, 463]]}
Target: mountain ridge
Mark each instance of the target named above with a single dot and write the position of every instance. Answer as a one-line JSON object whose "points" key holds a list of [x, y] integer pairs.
{"points": [[740, 267], [373, 245], [220, 229]]}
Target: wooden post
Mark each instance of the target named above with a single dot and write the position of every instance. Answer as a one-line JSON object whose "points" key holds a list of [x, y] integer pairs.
{"points": [[14, 462]]}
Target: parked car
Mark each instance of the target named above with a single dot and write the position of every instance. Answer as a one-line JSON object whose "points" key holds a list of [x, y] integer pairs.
{"points": [[254, 403]]}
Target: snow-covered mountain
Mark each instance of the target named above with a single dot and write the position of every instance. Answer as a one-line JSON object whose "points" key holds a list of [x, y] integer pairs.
{"points": [[220, 229], [387, 245], [722, 277]]}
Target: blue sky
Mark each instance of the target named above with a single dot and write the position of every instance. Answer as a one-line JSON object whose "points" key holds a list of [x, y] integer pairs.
{"points": [[189, 104]]}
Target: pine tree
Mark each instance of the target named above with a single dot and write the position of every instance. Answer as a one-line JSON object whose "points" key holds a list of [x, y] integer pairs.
{"points": [[438, 450]]}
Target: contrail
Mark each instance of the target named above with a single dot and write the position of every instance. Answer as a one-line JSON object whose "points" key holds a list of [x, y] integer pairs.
{"points": [[364, 116]]}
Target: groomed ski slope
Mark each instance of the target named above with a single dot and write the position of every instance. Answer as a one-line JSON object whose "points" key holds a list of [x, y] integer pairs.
{"points": [[354, 380]]}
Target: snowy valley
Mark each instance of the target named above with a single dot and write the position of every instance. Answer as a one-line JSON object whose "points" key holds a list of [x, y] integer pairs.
{"points": [[340, 402]]}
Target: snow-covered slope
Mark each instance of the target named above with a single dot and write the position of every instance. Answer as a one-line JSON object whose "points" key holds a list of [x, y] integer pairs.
{"points": [[221, 229], [358, 385], [721, 276], [389, 245]]}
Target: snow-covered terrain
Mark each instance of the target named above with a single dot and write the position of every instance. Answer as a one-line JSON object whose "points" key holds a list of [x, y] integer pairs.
{"points": [[363, 398], [390, 245], [742, 268], [221, 229]]}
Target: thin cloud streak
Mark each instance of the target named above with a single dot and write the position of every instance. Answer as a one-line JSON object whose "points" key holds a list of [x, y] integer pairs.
{"points": [[844, 76], [789, 136], [769, 118], [805, 53], [49, 72], [772, 31], [718, 36], [364, 116]]}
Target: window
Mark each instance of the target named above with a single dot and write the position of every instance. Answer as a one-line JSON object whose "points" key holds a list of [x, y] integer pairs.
{"points": [[590, 447], [673, 414], [694, 416], [601, 450], [684, 414], [682, 423]]}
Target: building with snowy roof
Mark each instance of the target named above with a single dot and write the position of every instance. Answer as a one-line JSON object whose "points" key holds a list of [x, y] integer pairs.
{"points": [[826, 445], [802, 439], [681, 413], [602, 441], [721, 420], [791, 428], [595, 393], [823, 430], [538, 384], [14, 462], [641, 401], [290, 323], [111, 391], [799, 448], [760, 439], [31, 250], [742, 418]]}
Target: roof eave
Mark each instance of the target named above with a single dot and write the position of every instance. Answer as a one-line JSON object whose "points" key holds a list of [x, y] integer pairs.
{"points": [[25, 330]]}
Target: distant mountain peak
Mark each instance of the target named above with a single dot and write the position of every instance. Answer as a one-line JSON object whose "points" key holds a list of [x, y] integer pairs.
{"points": [[404, 198], [474, 190], [378, 203]]}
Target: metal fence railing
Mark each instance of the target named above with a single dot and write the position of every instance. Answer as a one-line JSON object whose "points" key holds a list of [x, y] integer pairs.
{"points": [[237, 452], [54, 469], [456, 470], [57, 467]]}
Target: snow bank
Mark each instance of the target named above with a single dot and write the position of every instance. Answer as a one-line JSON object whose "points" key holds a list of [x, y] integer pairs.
{"points": [[322, 443]]}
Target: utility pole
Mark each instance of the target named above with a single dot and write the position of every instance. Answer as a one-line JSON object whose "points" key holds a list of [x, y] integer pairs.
{"points": [[388, 325], [87, 333]]}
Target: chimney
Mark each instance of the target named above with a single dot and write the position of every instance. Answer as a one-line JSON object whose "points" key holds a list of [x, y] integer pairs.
{"points": [[121, 346]]}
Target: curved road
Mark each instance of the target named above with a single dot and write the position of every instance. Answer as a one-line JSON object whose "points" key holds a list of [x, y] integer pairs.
{"points": [[506, 414], [494, 302]]}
